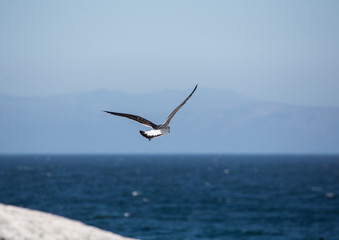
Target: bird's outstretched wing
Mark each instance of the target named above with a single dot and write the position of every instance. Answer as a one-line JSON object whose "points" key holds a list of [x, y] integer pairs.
{"points": [[177, 109], [139, 119]]}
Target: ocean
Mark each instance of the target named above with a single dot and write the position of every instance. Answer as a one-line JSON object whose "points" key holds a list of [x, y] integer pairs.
{"points": [[178, 197]]}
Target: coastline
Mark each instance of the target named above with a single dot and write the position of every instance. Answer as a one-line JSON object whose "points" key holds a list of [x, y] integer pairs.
{"points": [[18, 223]]}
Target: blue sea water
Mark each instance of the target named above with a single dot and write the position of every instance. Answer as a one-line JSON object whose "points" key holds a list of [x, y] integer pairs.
{"points": [[172, 197]]}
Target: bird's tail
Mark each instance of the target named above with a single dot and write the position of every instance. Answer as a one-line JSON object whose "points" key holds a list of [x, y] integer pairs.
{"points": [[143, 133]]}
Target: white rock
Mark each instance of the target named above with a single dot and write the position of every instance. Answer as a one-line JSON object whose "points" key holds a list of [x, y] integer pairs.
{"points": [[23, 224]]}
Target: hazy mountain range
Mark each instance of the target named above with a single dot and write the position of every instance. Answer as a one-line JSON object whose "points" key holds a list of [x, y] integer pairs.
{"points": [[212, 121]]}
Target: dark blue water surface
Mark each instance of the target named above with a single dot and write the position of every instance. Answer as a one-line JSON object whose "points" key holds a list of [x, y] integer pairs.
{"points": [[177, 197]]}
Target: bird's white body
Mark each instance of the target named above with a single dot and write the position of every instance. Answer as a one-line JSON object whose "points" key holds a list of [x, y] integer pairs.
{"points": [[158, 132], [155, 132]]}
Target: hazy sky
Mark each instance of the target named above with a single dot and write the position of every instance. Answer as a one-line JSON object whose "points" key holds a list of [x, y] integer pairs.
{"points": [[285, 51]]}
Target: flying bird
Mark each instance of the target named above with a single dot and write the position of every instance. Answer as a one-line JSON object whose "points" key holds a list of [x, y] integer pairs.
{"points": [[158, 130]]}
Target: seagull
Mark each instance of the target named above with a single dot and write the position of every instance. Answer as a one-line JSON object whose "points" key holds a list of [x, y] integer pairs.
{"points": [[158, 130]]}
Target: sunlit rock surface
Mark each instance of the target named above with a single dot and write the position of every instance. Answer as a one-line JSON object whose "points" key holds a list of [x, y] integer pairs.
{"points": [[23, 224]]}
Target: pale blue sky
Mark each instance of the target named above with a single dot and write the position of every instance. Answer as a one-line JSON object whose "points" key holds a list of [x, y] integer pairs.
{"points": [[286, 51]]}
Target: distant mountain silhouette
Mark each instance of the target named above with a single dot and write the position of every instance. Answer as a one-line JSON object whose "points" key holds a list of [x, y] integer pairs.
{"points": [[213, 121]]}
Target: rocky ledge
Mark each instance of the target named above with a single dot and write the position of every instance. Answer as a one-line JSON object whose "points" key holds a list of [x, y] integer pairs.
{"points": [[24, 224]]}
